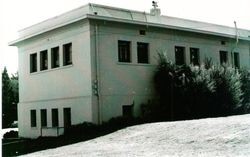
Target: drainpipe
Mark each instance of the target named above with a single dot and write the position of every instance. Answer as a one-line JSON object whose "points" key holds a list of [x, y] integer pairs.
{"points": [[236, 43], [97, 76]]}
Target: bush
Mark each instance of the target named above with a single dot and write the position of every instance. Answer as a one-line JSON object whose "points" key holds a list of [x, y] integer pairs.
{"points": [[11, 134], [187, 92]]}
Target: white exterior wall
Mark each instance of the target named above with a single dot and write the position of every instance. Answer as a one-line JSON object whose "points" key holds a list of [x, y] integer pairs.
{"points": [[132, 83], [66, 86]]}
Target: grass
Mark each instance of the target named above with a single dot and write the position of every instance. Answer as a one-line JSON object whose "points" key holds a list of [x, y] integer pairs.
{"points": [[74, 134]]}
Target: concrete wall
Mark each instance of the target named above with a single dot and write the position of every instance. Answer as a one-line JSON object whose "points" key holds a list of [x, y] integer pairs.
{"points": [[66, 86], [132, 83]]}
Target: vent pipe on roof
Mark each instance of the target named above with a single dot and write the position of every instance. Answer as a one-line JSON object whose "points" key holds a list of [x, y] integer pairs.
{"points": [[155, 10]]}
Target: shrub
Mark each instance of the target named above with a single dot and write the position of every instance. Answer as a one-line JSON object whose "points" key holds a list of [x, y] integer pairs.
{"points": [[11, 134], [186, 92]]}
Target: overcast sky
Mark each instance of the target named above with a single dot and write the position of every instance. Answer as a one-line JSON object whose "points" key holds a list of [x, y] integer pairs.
{"points": [[18, 14]]}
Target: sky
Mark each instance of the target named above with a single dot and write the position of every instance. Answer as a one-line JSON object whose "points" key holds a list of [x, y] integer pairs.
{"points": [[18, 14]]}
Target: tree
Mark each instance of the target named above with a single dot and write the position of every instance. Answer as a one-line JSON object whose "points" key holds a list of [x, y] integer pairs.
{"points": [[9, 98]]}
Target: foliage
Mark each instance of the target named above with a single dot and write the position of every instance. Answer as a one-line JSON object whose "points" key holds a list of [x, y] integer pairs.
{"points": [[245, 79], [9, 98], [186, 92], [11, 134]]}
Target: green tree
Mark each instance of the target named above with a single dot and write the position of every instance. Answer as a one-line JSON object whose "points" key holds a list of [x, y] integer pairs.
{"points": [[9, 98]]}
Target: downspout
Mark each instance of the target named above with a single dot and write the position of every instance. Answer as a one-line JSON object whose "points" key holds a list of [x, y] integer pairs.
{"points": [[236, 44], [97, 77]]}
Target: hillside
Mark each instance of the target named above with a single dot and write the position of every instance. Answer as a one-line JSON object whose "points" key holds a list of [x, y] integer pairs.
{"points": [[226, 136]]}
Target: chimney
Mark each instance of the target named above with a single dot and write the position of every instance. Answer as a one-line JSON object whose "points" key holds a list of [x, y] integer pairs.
{"points": [[155, 10]]}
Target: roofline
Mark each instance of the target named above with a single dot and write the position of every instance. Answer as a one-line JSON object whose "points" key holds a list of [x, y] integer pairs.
{"points": [[98, 17]]}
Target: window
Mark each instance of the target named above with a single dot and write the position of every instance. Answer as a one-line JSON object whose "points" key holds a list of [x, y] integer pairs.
{"points": [[223, 57], [194, 56], [67, 117], [43, 117], [142, 32], [142, 52], [54, 117], [67, 54], [55, 57], [127, 110], [236, 60], [33, 62], [179, 55], [124, 51], [44, 60], [33, 118]]}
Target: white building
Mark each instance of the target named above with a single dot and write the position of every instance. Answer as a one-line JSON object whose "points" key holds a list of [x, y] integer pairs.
{"points": [[97, 62]]}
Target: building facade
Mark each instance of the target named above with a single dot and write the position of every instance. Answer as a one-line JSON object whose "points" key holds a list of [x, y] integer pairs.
{"points": [[97, 62]]}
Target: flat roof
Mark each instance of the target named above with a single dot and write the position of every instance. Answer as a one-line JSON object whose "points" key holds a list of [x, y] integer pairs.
{"points": [[102, 12]]}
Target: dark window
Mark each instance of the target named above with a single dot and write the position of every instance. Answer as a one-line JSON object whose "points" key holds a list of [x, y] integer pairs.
{"points": [[67, 117], [67, 54], [44, 60], [142, 52], [123, 51], [54, 117], [223, 43], [43, 117], [33, 118], [127, 110], [223, 57], [55, 57], [194, 56], [142, 32], [33, 62], [236, 60], [179, 55]]}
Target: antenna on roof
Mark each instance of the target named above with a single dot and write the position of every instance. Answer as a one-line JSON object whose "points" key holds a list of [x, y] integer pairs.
{"points": [[154, 4], [155, 10]]}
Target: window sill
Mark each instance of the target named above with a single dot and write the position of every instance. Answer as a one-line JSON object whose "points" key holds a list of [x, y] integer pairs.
{"points": [[53, 69], [135, 64]]}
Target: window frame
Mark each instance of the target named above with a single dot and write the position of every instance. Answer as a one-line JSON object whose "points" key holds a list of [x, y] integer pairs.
{"points": [[141, 53], [43, 115], [177, 61], [55, 57], [43, 60], [33, 119], [55, 117], [124, 57], [222, 60], [238, 60], [67, 54], [196, 50], [33, 66]]}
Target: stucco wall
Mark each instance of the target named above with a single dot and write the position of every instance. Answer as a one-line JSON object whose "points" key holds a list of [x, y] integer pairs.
{"points": [[60, 87], [132, 83]]}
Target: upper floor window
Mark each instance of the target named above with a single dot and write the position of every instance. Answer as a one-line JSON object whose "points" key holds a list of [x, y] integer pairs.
{"points": [[194, 56], [33, 62], [44, 60], [142, 52], [179, 55], [236, 60], [223, 57], [55, 57], [67, 54], [124, 51]]}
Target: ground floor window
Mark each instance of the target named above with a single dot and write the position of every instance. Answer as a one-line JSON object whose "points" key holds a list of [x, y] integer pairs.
{"points": [[54, 117], [33, 118], [194, 56], [67, 117], [43, 117]]}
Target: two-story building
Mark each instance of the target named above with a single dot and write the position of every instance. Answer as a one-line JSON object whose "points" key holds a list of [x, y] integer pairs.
{"points": [[97, 62]]}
